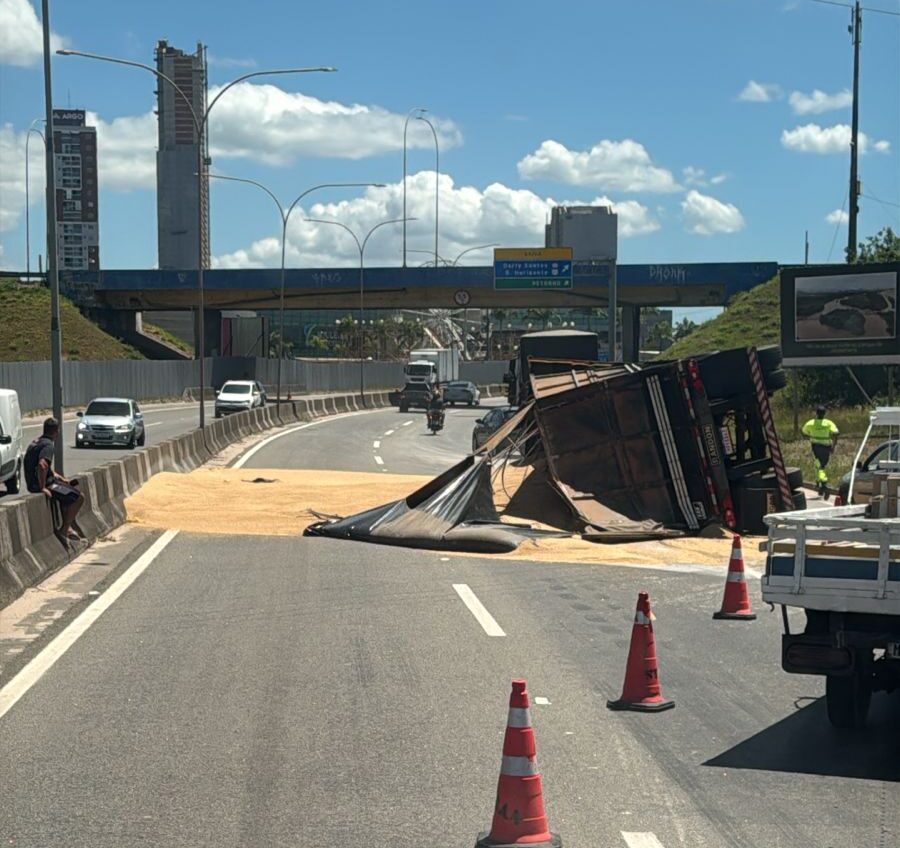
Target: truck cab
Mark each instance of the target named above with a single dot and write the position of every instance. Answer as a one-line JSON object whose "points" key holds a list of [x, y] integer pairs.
{"points": [[421, 371]]}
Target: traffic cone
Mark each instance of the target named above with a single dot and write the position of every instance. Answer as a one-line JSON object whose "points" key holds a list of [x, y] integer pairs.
{"points": [[642, 691], [736, 601], [519, 816]]}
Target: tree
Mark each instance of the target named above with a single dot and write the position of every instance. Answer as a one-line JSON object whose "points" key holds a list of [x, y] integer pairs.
{"points": [[659, 336], [683, 329], [882, 247]]}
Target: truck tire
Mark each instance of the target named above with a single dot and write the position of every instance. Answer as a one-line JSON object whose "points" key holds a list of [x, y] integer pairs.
{"points": [[404, 407], [776, 380], [799, 499], [727, 374], [770, 358], [847, 700]]}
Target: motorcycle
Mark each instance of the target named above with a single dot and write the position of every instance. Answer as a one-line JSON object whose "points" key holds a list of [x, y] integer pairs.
{"points": [[435, 420]]}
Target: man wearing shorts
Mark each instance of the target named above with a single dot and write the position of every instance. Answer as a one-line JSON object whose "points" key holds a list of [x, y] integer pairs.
{"points": [[40, 477]]}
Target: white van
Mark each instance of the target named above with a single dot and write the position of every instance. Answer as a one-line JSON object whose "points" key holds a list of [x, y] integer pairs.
{"points": [[12, 450]]}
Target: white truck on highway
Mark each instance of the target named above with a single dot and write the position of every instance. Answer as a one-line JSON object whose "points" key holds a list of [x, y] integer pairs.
{"points": [[432, 365], [842, 566]]}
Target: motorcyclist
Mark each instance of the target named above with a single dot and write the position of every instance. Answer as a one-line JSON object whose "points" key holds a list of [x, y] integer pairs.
{"points": [[436, 405]]}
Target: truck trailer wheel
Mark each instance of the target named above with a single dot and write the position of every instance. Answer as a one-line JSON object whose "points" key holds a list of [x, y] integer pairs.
{"points": [[847, 700]]}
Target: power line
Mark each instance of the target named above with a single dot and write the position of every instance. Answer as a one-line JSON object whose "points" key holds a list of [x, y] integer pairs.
{"points": [[863, 8], [884, 202]]}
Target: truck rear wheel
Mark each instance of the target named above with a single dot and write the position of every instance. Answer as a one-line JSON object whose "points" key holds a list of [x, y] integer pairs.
{"points": [[847, 700]]}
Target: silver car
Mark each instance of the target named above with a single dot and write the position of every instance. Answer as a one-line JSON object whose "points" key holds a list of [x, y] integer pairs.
{"points": [[461, 391], [111, 421]]}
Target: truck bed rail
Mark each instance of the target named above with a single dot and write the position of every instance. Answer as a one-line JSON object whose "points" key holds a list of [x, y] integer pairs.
{"points": [[833, 559]]}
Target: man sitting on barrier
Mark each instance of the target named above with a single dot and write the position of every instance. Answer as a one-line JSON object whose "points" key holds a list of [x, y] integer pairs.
{"points": [[40, 477]]}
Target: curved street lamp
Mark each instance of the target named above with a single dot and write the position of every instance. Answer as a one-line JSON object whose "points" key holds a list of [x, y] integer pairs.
{"points": [[418, 110], [285, 217], [31, 129], [200, 125], [361, 247], [437, 183]]}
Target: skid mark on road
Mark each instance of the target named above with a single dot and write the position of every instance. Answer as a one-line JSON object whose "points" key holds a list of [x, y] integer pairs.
{"points": [[482, 616]]}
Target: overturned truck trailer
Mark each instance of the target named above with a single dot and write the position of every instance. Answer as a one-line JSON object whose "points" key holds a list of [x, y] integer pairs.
{"points": [[611, 452]]}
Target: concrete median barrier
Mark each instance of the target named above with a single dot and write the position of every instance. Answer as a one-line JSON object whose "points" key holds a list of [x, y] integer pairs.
{"points": [[29, 550]]}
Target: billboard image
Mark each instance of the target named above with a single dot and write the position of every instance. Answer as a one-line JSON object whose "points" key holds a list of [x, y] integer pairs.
{"points": [[846, 306], [840, 314]]}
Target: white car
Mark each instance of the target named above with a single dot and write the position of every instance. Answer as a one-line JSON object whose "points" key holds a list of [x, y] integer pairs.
{"points": [[11, 448], [239, 396]]}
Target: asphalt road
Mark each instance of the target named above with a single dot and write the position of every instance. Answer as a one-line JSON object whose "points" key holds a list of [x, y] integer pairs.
{"points": [[299, 692], [162, 422]]}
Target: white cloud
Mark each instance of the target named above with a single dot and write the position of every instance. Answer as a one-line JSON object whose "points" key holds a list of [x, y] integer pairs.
{"points": [[718, 179], [760, 92], [692, 176], [706, 216], [21, 39], [819, 101], [126, 151], [12, 175], [609, 165], [811, 138], [839, 216], [267, 124], [264, 122], [469, 217]]}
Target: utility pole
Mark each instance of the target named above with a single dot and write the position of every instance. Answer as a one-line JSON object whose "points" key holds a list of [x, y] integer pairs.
{"points": [[52, 268], [856, 32], [806, 247]]}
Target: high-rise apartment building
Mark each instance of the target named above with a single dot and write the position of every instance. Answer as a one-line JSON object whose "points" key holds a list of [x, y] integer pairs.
{"points": [[180, 209], [77, 226]]}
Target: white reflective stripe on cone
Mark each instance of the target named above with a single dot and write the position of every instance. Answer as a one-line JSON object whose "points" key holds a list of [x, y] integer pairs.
{"points": [[640, 618], [519, 717], [736, 577], [518, 766]]}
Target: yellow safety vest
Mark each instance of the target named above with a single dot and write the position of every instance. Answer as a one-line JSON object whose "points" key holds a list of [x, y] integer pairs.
{"points": [[820, 431]]}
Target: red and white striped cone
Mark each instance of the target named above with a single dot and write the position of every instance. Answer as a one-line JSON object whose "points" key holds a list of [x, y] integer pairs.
{"points": [[642, 691], [519, 815], [736, 600]]}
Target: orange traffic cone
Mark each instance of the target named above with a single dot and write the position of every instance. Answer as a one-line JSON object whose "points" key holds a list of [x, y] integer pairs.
{"points": [[642, 691], [736, 601], [519, 816]]}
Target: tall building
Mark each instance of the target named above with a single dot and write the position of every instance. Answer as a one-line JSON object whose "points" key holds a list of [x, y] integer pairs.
{"points": [[591, 232], [179, 210], [77, 227]]}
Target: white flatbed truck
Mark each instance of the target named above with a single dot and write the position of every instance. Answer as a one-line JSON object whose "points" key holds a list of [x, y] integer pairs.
{"points": [[843, 569]]}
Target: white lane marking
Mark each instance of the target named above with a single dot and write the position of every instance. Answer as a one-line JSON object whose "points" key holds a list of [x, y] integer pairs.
{"points": [[482, 616], [389, 433], [379, 460], [376, 444], [541, 700], [154, 423], [243, 460], [44, 661], [641, 840], [407, 423]]}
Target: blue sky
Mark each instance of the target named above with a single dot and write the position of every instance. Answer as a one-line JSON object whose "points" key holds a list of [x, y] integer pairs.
{"points": [[699, 119]]}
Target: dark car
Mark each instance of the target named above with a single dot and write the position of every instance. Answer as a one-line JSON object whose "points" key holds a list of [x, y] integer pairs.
{"points": [[461, 391], [887, 452], [488, 425]]}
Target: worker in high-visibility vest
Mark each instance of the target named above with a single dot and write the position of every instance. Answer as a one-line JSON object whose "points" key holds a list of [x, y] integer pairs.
{"points": [[823, 435]]}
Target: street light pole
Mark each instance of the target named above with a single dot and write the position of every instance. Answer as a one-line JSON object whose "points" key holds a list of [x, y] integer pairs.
{"points": [[285, 217], [31, 129], [361, 247], [437, 184], [200, 126], [416, 110], [52, 265]]}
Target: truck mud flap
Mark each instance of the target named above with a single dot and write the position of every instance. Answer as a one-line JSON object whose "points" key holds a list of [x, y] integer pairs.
{"points": [[802, 654]]}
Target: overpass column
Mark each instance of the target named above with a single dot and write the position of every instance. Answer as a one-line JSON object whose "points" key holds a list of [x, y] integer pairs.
{"points": [[631, 332]]}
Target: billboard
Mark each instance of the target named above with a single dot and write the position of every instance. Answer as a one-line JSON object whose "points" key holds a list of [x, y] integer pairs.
{"points": [[840, 314]]}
